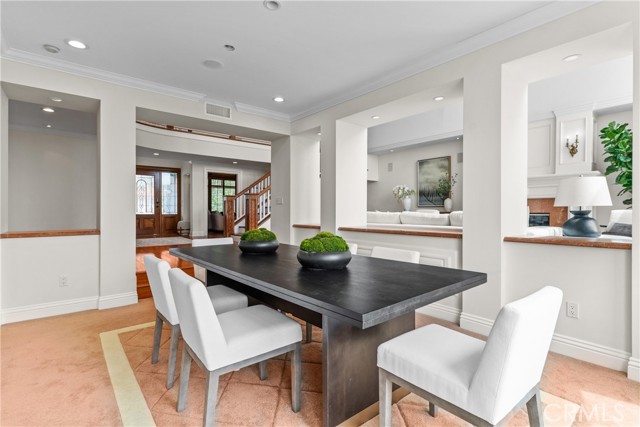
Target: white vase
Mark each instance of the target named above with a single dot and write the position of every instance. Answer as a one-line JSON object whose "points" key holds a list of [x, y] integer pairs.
{"points": [[406, 203], [448, 204]]}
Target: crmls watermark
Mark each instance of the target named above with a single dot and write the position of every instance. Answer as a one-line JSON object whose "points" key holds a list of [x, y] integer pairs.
{"points": [[566, 413]]}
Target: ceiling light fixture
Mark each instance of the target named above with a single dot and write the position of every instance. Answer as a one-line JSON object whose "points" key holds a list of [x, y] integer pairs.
{"points": [[156, 154], [571, 57], [278, 99], [319, 133], [212, 64], [235, 163], [51, 48], [271, 5], [48, 126], [55, 99], [48, 110], [230, 47], [438, 98], [391, 151], [76, 43], [375, 117]]}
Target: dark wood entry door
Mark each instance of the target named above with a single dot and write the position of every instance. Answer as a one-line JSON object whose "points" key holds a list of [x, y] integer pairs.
{"points": [[157, 201]]}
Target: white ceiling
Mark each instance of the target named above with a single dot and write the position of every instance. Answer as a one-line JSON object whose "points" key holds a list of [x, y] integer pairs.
{"points": [[313, 53]]}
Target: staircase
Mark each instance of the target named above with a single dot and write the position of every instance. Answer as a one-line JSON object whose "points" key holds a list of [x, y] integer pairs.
{"points": [[250, 208]]}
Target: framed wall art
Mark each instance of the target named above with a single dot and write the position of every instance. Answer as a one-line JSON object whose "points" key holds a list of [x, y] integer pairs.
{"points": [[429, 172]]}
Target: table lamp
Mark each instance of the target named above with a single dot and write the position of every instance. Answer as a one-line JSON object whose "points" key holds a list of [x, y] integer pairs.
{"points": [[582, 192]]}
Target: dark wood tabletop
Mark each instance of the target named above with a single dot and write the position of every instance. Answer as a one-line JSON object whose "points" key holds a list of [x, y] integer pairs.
{"points": [[367, 292]]}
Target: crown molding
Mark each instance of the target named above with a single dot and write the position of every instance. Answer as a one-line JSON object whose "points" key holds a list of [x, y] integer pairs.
{"points": [[270, 114], [521, 24], [94, 73]]}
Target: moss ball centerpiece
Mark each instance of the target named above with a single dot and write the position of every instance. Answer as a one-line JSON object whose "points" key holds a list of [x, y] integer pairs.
{"points": [[324, 251], [258, 241]]}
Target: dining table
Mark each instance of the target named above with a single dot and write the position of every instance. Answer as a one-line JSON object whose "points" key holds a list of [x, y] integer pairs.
{"points": [[358, 307]]}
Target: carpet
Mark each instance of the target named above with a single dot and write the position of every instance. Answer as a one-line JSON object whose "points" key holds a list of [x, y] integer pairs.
{"points": [[245, 400], [162, 241]]}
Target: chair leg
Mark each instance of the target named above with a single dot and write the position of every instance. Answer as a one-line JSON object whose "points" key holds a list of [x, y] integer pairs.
{"points": [[433, 410], [173, 354], [263, 370], [384, 390], [157, 334], [296, 377], [534, 410], [309, 332], [210, 399], [184, 379]]}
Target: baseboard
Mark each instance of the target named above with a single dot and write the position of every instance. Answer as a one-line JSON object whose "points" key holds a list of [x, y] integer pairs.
{"points": [[633, 371], [590, 352], [117, 300], [38, 311], [568, 346], [477, 324], [441, 311]]}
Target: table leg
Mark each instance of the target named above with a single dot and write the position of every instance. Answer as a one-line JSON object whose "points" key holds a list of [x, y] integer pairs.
{"points": [[349, 365]]}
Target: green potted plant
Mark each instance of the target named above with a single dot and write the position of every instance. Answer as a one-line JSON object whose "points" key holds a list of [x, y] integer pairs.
{"points": [[324, 251], [258, 241], [444, 190], [618, 147]]}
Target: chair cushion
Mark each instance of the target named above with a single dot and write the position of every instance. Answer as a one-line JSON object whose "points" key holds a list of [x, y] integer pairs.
{"points": [[619, 216], [226, 299], [618, 229], [434, 358], [253, 331]]}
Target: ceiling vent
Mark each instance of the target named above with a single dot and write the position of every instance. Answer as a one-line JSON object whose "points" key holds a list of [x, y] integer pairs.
{"points": [[217, 110]]}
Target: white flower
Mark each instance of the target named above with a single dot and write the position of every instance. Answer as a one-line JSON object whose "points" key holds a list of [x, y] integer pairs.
{"points": [[401, 191]]}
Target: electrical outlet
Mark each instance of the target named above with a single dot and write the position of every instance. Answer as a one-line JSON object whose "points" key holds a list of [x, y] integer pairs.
{"points": [[63, 281], [573, 309]]}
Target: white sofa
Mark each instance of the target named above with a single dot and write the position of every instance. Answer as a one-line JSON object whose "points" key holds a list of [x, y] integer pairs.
{"points": [[426, 220]]}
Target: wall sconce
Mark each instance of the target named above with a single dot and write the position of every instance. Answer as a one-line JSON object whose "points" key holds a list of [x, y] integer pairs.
{"points": [[573, 147]]}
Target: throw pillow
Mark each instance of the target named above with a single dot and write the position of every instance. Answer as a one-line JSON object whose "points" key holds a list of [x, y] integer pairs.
{"points": [[619, 229]]}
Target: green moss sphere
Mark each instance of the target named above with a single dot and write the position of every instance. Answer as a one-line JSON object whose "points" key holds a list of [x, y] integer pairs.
{"points": [[324, 242], [258, 235]]}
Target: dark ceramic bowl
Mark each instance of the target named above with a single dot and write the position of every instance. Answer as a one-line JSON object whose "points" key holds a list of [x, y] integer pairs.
{"points": [[258, 247], [324, 260]]}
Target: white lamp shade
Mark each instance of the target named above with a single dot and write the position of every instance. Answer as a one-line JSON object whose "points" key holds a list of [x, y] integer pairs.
{"points": [[583, 191]]}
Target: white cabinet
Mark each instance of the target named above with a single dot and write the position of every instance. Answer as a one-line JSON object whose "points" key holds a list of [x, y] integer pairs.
{"points": [[541, 152], [372, 167]]}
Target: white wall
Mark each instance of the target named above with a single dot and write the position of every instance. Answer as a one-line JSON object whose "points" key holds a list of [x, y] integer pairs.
{"points": [[305, 189], [281, 192], [31, 270], [600, 286], [405, 171], [53, 180]]}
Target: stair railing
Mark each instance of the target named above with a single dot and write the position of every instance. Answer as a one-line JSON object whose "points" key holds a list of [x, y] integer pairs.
{"points": [[253, 205]]}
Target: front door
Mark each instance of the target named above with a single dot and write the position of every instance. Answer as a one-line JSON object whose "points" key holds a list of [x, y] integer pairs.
{"points": [[157, 201]]}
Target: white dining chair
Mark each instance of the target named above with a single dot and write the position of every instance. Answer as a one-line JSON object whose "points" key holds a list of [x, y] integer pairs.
{"points": [[224, 299], [396, 254], [200, 272], [482, 383], [221, 343], [353, 248]]}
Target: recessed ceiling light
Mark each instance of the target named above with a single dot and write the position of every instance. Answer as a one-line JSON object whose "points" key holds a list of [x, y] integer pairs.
{"points": [[458, 137], [235, 163], [278, 99], [212, 63], [375, 117], [51, 48], [156, 154], [55, 99], [76, 43], [571, 57], [230, 47], [438, 98], [319, 133], [48, 110], [271, 4], [391, 151], [48, 126]]}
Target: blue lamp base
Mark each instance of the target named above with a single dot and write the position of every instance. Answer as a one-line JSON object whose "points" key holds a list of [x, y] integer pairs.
{"points": [[581, 225]]}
